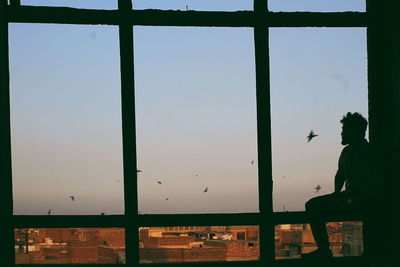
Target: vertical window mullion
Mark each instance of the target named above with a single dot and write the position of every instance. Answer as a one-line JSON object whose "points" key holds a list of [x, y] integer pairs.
{"points": [[15, 2], [6, 208], [128, 135], [264, 133]]}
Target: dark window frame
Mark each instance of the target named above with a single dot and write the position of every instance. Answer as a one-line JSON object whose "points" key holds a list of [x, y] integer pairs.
{"points": [[260, 20]]}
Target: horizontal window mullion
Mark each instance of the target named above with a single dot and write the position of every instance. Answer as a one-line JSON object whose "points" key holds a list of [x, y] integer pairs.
{"points": [[206, 263], [66, 15], [301, 217], [68, 221], [316, 19], [134, 17], [74, 264], [170, 264]]}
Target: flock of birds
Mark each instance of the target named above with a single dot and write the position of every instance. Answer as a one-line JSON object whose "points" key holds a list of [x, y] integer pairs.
{"points": [[309, 137], [205, 190]]}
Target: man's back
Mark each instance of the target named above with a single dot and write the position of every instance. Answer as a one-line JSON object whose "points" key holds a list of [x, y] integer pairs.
{"points": [[355, 164]]}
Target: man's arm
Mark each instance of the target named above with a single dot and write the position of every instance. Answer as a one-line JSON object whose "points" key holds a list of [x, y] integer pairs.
{"points": [[339, 181], [340, 177]]}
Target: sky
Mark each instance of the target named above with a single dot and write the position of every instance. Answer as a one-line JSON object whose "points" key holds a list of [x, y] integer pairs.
{"points": [[195, 112]]}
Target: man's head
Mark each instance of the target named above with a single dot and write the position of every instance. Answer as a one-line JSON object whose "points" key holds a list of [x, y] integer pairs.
{"points": [[354, 126]]}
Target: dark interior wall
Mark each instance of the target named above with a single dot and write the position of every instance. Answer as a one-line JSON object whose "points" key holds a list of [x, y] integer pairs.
{"points": [[384, 118], [6, 231]]}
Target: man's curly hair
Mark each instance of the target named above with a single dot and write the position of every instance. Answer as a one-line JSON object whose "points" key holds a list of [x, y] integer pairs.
{"points": [[356, 122]]}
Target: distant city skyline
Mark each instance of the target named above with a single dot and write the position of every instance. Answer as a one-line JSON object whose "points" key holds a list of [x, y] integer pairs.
{"points": [[178, 243]]}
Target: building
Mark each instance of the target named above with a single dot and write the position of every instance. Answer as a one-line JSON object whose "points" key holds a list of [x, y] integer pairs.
{"points": [[230, 243], [71, 245], [291, 240]]}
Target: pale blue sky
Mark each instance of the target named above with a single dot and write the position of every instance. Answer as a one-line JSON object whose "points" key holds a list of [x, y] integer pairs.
{"points": [[195, 99], [65, 115], [196, 115]]}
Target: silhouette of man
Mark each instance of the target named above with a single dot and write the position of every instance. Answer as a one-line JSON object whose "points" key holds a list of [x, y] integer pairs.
{"points": [[354, 173]]}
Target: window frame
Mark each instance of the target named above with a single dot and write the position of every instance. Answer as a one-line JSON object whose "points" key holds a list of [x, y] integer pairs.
{"points": [[260, 19]]}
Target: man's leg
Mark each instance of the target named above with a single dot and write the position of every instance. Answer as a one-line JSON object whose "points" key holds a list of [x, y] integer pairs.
{"points": [[316, 209]]}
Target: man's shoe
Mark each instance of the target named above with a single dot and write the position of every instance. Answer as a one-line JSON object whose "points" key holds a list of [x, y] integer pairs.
{"points": [[318, 254]]}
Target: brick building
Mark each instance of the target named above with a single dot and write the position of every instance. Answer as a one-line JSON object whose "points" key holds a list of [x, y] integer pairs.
{"points": [[113, 237], [293, 239], [82, 251], [108, 254], [237, 249], [71, 245], [58, 235], [148, 255], [198, 244], [352, 238], [243, 232], [54, 252]]}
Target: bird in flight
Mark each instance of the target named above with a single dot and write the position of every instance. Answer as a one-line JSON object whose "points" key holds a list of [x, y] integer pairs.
{"points": [[205, 190], [166, 199], [158, 182], [72, 198], [317, 188], [310, 136], [197, 175], [49, 212], [252, 162]]}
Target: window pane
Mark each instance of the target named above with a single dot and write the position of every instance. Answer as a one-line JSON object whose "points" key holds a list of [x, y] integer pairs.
{"points": [[317, 76], [291, 240], [88, 4], [194, 5], [69, 245], [196, 120], [316, 5], [201, 243], [66, 119]]}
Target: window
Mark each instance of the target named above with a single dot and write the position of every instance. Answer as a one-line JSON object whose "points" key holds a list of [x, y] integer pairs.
{"points": [[248, 34], [66, 119], [196, 86], [317, 76]]}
